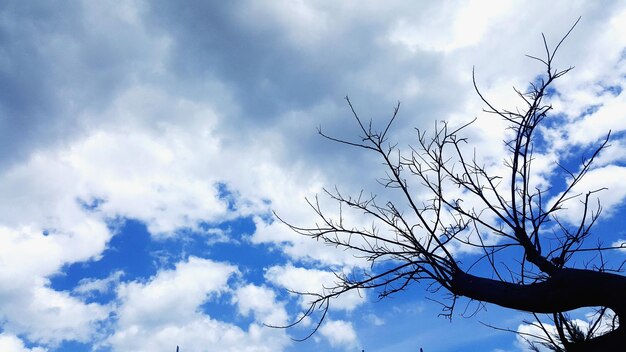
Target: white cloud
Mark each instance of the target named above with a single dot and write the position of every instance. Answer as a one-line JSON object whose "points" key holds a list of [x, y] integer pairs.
{"points": [[44, 228], [165, 311], [29, 306], [88, 286], [201, 334], [305, 280], [339, 333], [50, 317], [28, 254], [12, 343], [534, 334], [448, 27], [297, 246], [591, 128], [260, 301], [141, 177], [126, 110], [609, 177], [172, 295], [615, 153]]}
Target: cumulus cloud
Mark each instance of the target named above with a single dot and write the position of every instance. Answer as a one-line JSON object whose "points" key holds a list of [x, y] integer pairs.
{"points": [[12, 343], [172, 295], [339, 333], [607, 180], [306, 280], [29, 306], [261, 302], [165, 311], [200, 334], [149, 110], [49, 316]]}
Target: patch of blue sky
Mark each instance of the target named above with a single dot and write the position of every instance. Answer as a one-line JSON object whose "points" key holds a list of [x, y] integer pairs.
{"points": [[409, 320], [130, 251], [251, 259], [74, 346], [227, 195], [139, 255], [224, 309], [591, 109], [614, 90], [281, 79], [571, 159]]}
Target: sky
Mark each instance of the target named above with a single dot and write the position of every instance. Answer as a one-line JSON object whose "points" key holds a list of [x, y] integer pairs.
{"points": [[145, 145]]}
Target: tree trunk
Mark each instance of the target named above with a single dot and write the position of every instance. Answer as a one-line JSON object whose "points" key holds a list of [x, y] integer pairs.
{"points": [[565, 290]]}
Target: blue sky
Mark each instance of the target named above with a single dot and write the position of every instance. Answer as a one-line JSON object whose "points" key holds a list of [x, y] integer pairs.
{"points": [[145, 144]]}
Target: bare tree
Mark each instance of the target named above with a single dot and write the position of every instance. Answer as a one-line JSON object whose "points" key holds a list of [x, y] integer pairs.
{"points": [[511, 219]]}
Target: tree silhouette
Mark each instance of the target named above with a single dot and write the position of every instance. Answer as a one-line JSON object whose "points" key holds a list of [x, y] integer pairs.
{"points": [[510, 218]]}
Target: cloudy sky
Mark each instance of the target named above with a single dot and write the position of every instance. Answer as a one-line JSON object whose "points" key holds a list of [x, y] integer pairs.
{"points": [[145, 144]]}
